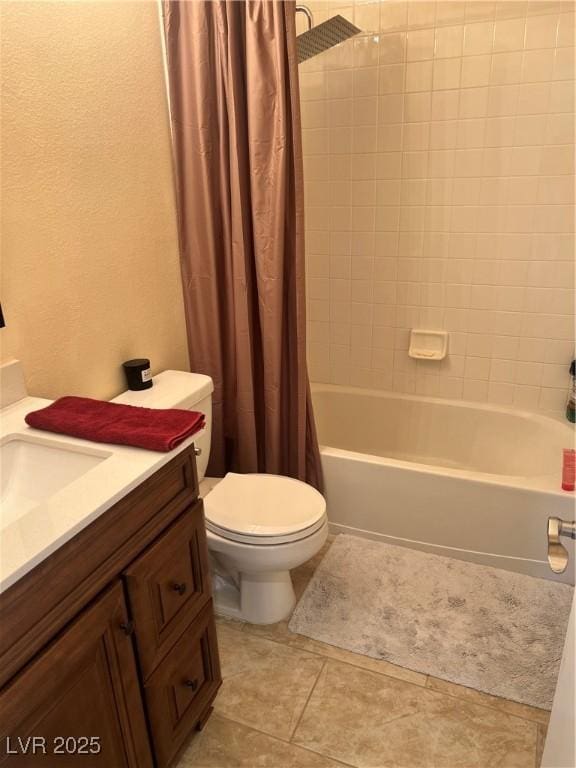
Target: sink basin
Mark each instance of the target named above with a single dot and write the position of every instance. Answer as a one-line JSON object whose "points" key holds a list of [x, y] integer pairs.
{"points": [[33, 470]]}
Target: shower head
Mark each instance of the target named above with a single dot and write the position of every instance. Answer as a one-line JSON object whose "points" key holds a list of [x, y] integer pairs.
{"points": [[324, 36]]}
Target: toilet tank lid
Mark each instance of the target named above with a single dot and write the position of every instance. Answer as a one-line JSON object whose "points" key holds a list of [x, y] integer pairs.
{"points": [[171, 389]]}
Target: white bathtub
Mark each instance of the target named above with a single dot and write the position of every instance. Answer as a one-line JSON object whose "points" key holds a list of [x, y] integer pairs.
{"points": [[466, 480]]}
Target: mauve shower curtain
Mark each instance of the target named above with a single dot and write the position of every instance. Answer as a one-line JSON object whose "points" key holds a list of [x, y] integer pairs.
{"points": [[238, 163]]}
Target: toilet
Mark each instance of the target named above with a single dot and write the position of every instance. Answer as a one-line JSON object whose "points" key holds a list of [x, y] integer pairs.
{"points": [[259, 526]]}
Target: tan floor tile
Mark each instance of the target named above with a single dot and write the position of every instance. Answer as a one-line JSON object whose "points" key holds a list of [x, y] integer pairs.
{"points": [[266, 685], [542, 731], [370, 721], [373, 665], [224, 744], [434, 729], [228, 622], [485, 699], [280, 633]]}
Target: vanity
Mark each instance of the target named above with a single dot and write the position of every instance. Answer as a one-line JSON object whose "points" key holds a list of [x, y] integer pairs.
{"points": [[108, 653]]}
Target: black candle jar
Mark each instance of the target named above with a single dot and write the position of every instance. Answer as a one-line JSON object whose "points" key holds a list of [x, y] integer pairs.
{"points": [[138, 373]]}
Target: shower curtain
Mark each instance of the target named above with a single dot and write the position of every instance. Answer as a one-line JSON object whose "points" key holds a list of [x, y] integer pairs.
{"points": [[235, 113]]}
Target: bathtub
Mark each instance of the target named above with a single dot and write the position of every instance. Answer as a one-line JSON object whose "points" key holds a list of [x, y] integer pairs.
{"points": [[466, 480]]}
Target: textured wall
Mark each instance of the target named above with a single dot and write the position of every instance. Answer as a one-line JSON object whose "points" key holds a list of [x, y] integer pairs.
{"points": [[439, 167], [90, 273]]}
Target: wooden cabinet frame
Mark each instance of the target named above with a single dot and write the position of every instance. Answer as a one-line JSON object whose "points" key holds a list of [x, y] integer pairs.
{"points": [[158, 526]]}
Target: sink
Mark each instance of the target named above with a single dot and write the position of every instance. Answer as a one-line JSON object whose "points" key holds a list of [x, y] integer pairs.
{"points": [[33, 470]]}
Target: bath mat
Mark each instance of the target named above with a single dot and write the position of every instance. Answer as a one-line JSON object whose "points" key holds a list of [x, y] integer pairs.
{"points": [[485, 628]]}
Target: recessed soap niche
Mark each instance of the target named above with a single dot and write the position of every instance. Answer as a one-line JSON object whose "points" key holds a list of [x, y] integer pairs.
{"points": [[428, 345]]}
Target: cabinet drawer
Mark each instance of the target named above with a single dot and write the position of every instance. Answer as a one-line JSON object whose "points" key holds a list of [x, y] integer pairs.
{"points": [[181, 689], [168, 585]]}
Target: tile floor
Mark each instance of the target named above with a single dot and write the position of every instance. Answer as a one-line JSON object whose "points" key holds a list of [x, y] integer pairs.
{"points": [[291, 702]]}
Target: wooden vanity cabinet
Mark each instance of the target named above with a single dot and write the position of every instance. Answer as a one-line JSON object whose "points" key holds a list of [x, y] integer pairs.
{"points": [[78, 702], [108, 652]]}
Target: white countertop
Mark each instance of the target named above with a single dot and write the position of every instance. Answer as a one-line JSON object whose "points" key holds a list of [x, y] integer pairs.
{"points": [[29, 540]]}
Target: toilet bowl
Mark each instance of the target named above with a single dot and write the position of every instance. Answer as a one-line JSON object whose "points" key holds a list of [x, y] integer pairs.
{"points": [[258, 526]]}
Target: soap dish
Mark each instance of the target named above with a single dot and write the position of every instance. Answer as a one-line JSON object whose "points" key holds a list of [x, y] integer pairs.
{"points": [[428, 345]]}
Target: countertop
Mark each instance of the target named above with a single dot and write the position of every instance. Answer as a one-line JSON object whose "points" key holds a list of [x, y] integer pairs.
{"points": [[29, 540]]}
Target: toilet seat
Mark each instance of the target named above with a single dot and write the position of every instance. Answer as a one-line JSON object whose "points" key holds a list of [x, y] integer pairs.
{"points": [[264, 509]]}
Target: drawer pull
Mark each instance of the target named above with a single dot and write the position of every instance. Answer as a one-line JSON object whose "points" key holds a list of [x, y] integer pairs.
{"points": [[193, 684], [127, 627], [180, 588]]}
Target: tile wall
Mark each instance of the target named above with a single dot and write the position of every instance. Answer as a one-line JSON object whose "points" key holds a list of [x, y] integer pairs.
{"points": [[439, 170]]}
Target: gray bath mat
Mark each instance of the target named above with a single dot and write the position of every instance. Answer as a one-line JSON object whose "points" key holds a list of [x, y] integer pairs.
{"points": [[485, 628]]}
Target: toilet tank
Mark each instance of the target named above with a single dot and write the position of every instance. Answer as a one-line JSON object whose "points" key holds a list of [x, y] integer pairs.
{"points": [[179, 389]]}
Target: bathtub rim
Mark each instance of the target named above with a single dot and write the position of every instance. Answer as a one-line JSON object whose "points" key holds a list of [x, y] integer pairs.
{"points": [[541, 483]]}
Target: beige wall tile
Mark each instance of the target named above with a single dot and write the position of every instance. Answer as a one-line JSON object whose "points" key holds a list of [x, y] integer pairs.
{"points": [[421, 13], [441, 154], [448, 42], [420, 44], [478, 38], [509, 34], [418, 76], [541, 32], [566, 30], [446, 74]]}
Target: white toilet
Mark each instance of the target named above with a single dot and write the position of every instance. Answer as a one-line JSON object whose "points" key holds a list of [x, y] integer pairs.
{"points": [[259, 527]]}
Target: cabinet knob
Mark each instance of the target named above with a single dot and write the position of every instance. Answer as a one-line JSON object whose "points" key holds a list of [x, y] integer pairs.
{"points": [[192, 684], [127, 627], [197, 451], [180, 588]]}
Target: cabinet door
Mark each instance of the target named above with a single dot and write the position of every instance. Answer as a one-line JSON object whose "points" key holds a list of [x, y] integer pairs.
{"points": [[79, 697], [168, 585], [180, 691]]}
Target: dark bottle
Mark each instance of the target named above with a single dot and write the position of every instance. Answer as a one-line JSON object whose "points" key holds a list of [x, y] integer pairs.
{"points": [[571, 404]]}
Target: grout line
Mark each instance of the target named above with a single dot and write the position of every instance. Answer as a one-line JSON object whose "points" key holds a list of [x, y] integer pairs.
{"points": [[568, 204], [225, 621], [541, 734], [405, 28], [425, 686], [327, 658], [459, 87], [278, 738], [403, 157], [307, 701], [404, 62], [492, 707], [333, 759]]}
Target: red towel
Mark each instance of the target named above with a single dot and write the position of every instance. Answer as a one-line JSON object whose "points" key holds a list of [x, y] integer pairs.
{"points": [[152, 428]]}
